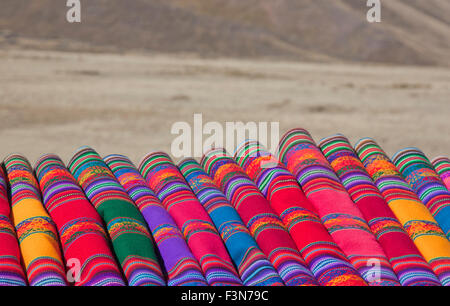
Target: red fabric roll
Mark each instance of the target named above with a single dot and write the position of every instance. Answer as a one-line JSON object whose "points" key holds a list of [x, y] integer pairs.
{"points": [[84, 241]]}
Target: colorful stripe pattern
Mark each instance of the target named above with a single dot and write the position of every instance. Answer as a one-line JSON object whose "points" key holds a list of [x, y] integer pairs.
{"points": [[442, 166], [253, 266], [264, 225], [412, 214], [324, 258], [37, 234], [165, 179], [181, 266], [84, 241], [421, 176], [337, 211], [406, 260], [11, 272], [130, 237]]}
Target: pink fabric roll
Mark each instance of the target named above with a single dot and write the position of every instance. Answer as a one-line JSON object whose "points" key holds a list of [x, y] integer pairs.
{"points": [[337, 211]]}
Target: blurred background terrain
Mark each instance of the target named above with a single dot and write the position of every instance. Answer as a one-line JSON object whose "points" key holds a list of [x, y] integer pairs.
{"points": [[122, 77]]}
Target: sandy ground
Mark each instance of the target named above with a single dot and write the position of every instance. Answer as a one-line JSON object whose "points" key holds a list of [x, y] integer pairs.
{"points": [[56, 102]]}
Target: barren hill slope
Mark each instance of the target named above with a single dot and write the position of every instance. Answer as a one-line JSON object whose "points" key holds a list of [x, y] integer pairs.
{"points": [[411, 32]]}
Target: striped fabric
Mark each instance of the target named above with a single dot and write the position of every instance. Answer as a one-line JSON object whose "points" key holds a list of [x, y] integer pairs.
{"points": [[337, 211], [84, 241], [165, 179], [442, 166], [131, 240], [181, 266], [37, 234], [252, 264], [264, 225], [406, 260], [324, 258], [412, 214], [421, 176], [11, 272]]}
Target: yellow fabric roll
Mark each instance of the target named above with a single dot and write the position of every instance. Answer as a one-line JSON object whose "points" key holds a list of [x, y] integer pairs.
{"points": [[38, 236], [36, 232], [426, 234]]}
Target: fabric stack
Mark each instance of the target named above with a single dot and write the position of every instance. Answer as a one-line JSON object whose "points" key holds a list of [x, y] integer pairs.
{"points": [[251, 263], [340, 215], [80, 228], [181, 267], [262, 222], [130, 237], [407, 263], [166, 180], [324, 258], [330, 214]]}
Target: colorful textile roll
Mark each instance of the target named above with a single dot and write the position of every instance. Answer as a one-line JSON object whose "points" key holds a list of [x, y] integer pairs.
{"points": [[337, 211], [130, 237], [420, 175], [84, 241], [442, 166], [264, 225], [404, 203], [406, 260], [11, 272], [324, 258], [37, 234], [165, 179], [181, 266], [253, 266]]}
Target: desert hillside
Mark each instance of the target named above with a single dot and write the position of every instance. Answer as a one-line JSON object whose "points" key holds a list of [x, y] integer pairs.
{"points": [[412, 32]]}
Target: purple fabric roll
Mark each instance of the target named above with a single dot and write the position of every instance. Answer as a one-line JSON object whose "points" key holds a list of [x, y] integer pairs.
{"points": [[181, 266]]}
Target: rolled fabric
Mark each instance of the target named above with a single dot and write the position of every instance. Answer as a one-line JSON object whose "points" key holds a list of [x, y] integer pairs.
{"points": [[130, 237], [442, 166], [420, 175], [405, 258], [37, 234], [84, 241], [255, 211], [181, 266], [11, 272], [324, 258], [253, 266], [404, 203], [337, 211], [163, 176]]}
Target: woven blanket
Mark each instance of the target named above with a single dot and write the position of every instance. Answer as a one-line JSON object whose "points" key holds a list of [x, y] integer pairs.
{"points": [[442, 167], [181, 266], [421, 176], [409, 210], [406, 260], [324, 258], [84, 241], [130, 237], [165, 179], [337, 211], [11, 272], [37, 234], [253, 266], [264, 225]]}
